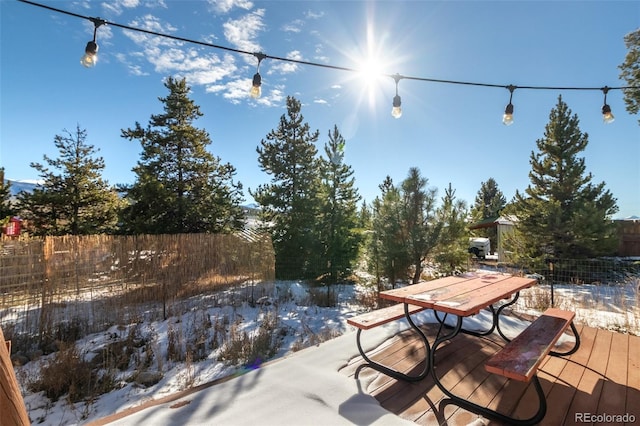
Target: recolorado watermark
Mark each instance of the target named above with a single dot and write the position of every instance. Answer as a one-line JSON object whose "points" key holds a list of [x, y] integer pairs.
{"points": [[604, 418]]}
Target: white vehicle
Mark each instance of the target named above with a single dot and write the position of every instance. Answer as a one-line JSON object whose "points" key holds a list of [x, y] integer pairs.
{"points": [[480, 247]]}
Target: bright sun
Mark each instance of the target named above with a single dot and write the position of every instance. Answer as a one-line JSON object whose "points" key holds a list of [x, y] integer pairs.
{"points": [[371, 71]]}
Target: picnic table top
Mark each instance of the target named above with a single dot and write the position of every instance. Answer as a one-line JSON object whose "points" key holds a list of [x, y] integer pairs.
{"points": [[462, 295]]}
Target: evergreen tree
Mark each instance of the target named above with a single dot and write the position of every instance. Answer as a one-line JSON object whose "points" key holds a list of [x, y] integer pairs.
{"points": [[180, 186], [389, 250], [290, 202], [631, 71], [489, 203], [453, 240], [338, 221], [418, 216], [562, 213], [73, 198], [6, 209]]}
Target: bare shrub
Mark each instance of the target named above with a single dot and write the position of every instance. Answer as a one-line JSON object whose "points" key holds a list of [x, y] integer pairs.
{"points": [[197, 338], [323, 296], [56, 381], [310, 338], [174, 344], [252, 349], [368, 297]]}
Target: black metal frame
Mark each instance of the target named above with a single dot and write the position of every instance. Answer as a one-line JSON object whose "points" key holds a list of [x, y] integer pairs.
{"points": [[478, 409], [390, 371], [495, 323], [454, 331]]}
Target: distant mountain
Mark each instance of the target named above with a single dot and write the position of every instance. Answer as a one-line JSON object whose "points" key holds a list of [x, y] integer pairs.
{"points": [[18, 186]]}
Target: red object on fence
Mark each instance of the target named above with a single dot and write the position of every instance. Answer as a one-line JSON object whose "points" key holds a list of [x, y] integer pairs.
{"points": [[13, 227]]}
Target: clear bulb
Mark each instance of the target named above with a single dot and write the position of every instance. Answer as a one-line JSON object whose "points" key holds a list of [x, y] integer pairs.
{"points": [[255, 92], [89, 60], [255, 86], [507, 118], [396, 111], [90, 57], [607, 116]]}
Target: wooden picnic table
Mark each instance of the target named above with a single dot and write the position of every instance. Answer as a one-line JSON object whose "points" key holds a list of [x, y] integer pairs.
{"points": [[466, 295]]}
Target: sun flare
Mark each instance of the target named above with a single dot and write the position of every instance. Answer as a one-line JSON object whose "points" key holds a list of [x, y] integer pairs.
{"points": [[371, 71]]}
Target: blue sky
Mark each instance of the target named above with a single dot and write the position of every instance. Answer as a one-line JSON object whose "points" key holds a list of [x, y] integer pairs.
{"points": [[452, 133]]}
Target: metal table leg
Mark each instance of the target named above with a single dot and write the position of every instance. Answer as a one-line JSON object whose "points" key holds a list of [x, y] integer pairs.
{"points": [[390, 371], [478, 409]]}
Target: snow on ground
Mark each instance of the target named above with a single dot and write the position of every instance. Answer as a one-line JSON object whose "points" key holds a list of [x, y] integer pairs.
{"points": [[303, 386]]}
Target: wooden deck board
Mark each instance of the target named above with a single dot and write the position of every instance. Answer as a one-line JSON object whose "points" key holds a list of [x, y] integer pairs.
{"points": [[604, 374], [613, 398], [633, 377]]}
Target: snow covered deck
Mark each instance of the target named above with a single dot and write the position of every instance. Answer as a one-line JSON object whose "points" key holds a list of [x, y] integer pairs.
{"points": [[316, 386]]}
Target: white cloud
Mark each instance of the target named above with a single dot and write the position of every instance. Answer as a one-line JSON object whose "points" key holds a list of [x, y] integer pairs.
{"points": [[284, 67], [224, 6], [116, 6], [309, 14], [320, 101], [136, 70], [217, 72], [173, 57], [242, 32], [293, 27]]}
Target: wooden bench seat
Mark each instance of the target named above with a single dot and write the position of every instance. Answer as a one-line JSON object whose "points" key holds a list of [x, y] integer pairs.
{"points": [[379, 317], [520, 358]]}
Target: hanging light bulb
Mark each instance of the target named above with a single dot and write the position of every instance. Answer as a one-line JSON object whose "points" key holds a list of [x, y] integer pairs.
{"points": [[507, 118], [90, 57], [256, 91], [396, 111], [607, 116]]}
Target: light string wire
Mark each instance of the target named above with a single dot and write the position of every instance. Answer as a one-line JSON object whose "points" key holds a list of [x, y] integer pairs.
{"points": [[315, 64]]}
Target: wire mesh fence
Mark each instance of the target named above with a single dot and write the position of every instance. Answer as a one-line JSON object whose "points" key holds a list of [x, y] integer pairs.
{"points": [[603, 292]]}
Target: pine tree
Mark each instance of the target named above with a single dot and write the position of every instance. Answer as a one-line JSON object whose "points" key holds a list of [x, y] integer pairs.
{"points": [[73, 198], [389, 251], [418, 216], [180, 186], [562, 213], [338, 221], [6, 209], [630, 72], [453, 240], [290, 202], [489, 203]]}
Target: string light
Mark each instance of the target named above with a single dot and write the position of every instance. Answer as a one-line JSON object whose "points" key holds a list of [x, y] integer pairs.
{"points": [[607, 116], [91, 50], [257, 79], [396, 111], [507, 118], [90, 57]]}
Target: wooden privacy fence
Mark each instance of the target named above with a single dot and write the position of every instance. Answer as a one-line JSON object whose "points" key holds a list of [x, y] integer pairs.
{"points": [[629, 236], [94, 278]]}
